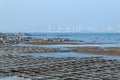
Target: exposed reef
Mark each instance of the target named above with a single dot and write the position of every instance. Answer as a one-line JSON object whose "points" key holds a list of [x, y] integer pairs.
{"points": [[11, 38], [43, 41]]}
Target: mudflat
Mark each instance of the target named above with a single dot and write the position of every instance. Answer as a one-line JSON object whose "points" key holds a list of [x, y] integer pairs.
{"points": [[97, 50], [27, 49], [49, 68]]}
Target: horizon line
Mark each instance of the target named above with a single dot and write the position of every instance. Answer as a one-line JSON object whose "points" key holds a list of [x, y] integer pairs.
{"points": [[55, 32]]}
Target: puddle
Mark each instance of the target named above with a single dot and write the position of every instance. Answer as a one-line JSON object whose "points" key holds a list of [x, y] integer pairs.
{"points": [[12, 78], [69, 54]]}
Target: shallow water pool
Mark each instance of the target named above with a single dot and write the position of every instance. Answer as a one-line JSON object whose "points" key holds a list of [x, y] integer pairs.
{"points": [[70, 54], [12, 78]]}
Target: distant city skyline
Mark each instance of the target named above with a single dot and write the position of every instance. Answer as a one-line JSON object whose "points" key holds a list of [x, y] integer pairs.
{"points": [[75, 29], [79, 29], [60, 16]]}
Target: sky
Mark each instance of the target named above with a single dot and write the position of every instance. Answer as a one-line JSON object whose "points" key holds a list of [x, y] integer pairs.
{"points": [[59, 15]]}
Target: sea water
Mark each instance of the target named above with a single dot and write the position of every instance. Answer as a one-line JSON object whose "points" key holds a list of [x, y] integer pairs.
{"points": [[87, 37]]}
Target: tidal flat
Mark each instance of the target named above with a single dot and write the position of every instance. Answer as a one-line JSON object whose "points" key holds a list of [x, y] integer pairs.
{"points": [[27, 49], [49, 68], [28, 58], [97, 50]]}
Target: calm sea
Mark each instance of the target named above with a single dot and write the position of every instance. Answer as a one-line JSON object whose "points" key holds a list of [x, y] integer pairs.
{"points": [[87, 37]]}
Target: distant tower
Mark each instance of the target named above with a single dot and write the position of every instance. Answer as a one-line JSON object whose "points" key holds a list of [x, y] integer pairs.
{"points": [[49, 29], [79, 30], [76, 30], [59, 29], [108, 30], [66, 29]]}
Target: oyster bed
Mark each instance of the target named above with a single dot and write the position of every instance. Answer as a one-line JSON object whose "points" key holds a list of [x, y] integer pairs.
{"points": [[71, 68]]}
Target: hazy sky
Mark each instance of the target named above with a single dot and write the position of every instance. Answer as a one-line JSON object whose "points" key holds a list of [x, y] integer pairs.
{"points": [[38, 15]]}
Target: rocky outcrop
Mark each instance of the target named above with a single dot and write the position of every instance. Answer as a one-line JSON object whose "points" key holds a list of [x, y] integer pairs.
{"points": [[10, 38], [43, 41]]}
